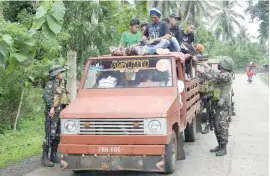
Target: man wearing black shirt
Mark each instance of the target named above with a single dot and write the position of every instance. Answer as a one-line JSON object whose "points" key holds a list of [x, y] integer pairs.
{"points": [[157, 32], [176, 35], [188, 36]]}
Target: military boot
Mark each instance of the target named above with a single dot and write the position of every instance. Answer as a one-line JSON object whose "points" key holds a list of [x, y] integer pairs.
{"points": [[216, 149], [222, 151], [206, 129], [54, 158], [45, 160]]}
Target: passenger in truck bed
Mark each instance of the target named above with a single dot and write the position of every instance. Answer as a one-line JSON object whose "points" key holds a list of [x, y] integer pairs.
{"points": [[151, 78], [110, 79]]}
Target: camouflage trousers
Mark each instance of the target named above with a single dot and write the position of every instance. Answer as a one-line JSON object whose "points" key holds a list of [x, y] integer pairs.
{"points": [[54, 130], [54, 134], [222, 124]]}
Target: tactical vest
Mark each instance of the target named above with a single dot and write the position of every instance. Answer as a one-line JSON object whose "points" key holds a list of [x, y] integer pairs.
{"points": [[61, 95], [226, 89]]}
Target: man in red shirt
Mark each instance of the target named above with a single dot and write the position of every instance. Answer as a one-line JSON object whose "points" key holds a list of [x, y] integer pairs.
{"points": [[249, 74]]}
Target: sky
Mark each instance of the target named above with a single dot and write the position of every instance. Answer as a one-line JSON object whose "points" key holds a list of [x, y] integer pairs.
{"points": [[252, 27]]}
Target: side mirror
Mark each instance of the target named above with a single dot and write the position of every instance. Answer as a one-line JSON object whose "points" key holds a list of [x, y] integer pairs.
{"points": [[180, 86]]}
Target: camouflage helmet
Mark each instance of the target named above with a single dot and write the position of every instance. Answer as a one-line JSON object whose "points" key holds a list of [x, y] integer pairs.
{"points": [[226, 63], [55, 70]]}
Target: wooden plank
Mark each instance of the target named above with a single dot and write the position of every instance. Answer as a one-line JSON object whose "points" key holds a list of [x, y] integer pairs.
{"points": [[191, 114], [192, 82], [193, 91], [190, 102]]}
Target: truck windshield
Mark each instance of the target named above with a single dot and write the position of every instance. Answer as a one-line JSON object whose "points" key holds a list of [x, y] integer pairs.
{"points": [[126, 73]]}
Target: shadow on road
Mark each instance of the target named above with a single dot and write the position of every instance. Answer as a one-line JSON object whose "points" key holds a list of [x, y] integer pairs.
{"points": [[105, 173]]}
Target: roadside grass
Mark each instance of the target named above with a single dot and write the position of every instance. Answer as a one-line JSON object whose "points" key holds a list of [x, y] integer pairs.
{"points": [[265, 78], [24, 143]]}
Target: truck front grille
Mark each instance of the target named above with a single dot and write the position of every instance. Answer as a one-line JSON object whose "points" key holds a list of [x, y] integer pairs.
{"points": [[111, 126]]}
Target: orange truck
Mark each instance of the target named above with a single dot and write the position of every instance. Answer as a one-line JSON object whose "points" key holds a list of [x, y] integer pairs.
{"points": [[131, 113]]}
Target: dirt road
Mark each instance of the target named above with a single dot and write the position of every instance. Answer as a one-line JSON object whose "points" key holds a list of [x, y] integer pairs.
{"points": [[247, 149]]}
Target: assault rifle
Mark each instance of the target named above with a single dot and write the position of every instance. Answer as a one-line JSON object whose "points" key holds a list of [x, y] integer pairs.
{"points": [[208, 104], [48, 130]]}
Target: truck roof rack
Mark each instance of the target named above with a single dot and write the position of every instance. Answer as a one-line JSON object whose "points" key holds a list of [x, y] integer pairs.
{"points": [[131, 57]]}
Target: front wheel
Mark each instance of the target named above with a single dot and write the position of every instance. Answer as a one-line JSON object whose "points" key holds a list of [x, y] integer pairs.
{"points": [[171, 154]]}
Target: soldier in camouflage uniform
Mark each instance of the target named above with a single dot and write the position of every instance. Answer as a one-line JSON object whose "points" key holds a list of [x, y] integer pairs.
{"points": [[55, 96], [224, 80]]}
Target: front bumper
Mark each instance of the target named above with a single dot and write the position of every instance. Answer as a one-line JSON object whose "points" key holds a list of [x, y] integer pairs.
{"points": [[112, 149], [113, 163]]}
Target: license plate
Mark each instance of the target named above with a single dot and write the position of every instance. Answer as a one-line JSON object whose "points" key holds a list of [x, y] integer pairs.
{"points": [[109, 149]]}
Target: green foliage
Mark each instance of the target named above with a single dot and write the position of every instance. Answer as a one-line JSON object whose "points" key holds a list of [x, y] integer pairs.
{"points": [[22, 144], [49, 17], [19, 46], [241, 49], [260, 11], [26, 55], [10, 90], [13, 10], [226, 19]]}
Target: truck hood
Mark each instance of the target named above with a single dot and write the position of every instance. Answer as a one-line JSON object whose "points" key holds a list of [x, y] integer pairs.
{"points": [[119, 107]]}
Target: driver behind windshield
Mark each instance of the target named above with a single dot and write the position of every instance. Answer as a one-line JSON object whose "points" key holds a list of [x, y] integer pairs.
{"points": [[110, 79], [152, 78]]}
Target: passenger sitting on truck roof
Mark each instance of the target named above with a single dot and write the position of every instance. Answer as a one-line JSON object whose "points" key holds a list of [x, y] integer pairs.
{"points": [[157, 32], [110, 79], [133, 36], [129, 40], [176, 35]]}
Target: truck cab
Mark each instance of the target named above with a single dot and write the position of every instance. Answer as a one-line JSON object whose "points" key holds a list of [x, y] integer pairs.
{"points": [[131, 113]]}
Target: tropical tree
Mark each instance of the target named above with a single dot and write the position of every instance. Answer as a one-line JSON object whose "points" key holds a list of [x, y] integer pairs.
{"points": [[142, 8], [166, 7], [19, 46], [260, 11], [227, 18], [195, 11], [243, 36]]}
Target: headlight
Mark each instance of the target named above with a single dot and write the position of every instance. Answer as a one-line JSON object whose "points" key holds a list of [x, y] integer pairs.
{"points": [[154, 126], [70, 126]]}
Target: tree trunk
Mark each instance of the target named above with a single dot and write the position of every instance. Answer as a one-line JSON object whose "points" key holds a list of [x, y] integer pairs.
{"points": [[71, 75], [1, 14], [19, 110], [94, 18]]}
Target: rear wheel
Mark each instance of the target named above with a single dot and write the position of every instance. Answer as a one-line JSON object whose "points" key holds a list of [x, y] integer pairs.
{"points": [[78, 171], [190, 132], [230, 115], [171, 154]]}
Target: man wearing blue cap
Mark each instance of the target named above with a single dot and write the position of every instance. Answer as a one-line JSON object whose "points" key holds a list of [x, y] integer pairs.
{"points": [[157, 32]]}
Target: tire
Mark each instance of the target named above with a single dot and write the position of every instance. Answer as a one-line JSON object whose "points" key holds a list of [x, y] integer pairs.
{"points": [[230, 117], [171, 155], [190, 132], [78, 171], [180, 147]]}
